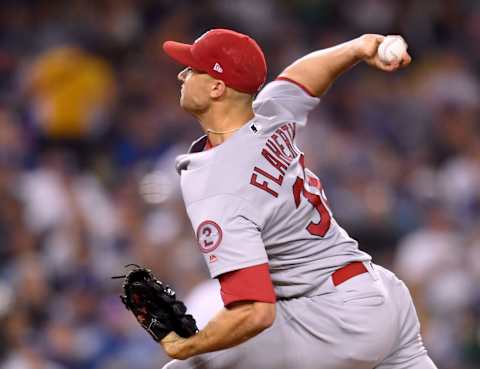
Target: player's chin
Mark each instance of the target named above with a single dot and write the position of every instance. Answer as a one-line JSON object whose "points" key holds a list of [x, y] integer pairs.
{"points": [[185, 105]]}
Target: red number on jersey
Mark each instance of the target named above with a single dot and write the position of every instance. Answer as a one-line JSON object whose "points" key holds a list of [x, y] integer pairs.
{"points": [[320, 228]]}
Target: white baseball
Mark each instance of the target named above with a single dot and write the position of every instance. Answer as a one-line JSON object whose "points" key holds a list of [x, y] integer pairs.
{"points": [[392, 49]]}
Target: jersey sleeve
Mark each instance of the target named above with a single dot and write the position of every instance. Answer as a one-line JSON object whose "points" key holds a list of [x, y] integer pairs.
{"points": [[228, 234], [248, 284], [286, 99]]}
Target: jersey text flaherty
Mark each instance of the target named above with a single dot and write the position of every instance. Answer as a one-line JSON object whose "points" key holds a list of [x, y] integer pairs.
{"points": [[279, 151]]}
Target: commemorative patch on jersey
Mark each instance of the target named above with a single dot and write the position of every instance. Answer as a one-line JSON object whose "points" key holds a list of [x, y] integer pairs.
{"points": [[209, 236]]}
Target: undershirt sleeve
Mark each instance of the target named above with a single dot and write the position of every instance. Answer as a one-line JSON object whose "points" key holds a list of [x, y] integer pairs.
{"points": [[248, 284]]}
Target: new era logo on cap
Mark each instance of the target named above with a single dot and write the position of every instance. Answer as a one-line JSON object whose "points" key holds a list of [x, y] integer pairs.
{"points": [[218, 68]]}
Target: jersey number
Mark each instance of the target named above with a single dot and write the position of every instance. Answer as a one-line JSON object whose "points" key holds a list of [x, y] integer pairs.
{"points": [[320, 228], [207, 232]]}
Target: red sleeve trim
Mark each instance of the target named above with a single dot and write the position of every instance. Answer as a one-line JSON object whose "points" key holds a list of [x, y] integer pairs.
{"points": [[248, 284], [298, 84]]}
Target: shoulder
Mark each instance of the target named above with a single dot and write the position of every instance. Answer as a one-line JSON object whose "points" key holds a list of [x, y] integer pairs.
{"points": [[284, 87], [285, 99]]}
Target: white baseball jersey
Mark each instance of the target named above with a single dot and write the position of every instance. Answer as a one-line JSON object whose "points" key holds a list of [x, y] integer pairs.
{"points": [[251, 200]]}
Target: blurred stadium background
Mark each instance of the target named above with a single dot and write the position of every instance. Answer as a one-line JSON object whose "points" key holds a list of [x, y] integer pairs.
{"points": [[90, 126]]}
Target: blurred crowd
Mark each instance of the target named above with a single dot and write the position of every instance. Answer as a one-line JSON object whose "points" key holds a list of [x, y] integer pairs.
{"points": [[90, 127]]}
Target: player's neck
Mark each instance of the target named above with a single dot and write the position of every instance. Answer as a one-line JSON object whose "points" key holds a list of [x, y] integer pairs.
{"points": [[221, 123]]}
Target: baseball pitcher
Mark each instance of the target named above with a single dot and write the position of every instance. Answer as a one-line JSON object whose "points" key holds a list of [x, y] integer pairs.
{"points": [[297, 290]]}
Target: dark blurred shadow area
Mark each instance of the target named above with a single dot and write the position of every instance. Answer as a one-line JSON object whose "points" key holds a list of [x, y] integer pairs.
{"points": [[90, 127]]}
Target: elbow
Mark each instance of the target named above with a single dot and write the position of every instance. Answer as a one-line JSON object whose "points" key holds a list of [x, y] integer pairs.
{"points": [[263, 316]]}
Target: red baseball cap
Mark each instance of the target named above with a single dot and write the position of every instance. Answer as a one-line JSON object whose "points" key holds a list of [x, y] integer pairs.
{"points": [[232, 57]]}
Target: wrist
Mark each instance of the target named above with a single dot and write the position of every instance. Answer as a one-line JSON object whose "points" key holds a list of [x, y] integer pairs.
{"points": [[177, 347], [188, 348], [183, 353], [359, 47]]}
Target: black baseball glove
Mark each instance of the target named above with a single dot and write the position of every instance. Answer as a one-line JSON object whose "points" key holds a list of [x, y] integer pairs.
{"points": [[154, 305]]}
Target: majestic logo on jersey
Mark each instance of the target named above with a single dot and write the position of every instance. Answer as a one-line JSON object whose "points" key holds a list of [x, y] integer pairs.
{"points": [[279, 151], [254, 128], [209, 236]]}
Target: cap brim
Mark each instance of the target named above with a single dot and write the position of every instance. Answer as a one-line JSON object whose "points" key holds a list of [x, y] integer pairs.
{"points": [[180, 52]]}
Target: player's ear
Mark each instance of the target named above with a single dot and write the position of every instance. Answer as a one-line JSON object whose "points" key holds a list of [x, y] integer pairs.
{"points": [[218, 89]]}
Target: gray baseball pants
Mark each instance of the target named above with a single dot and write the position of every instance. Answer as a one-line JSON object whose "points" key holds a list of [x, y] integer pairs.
{"points": [[366, 322]]}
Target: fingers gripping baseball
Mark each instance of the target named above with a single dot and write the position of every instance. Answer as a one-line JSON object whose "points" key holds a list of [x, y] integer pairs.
{"points": [[385, 53]]}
